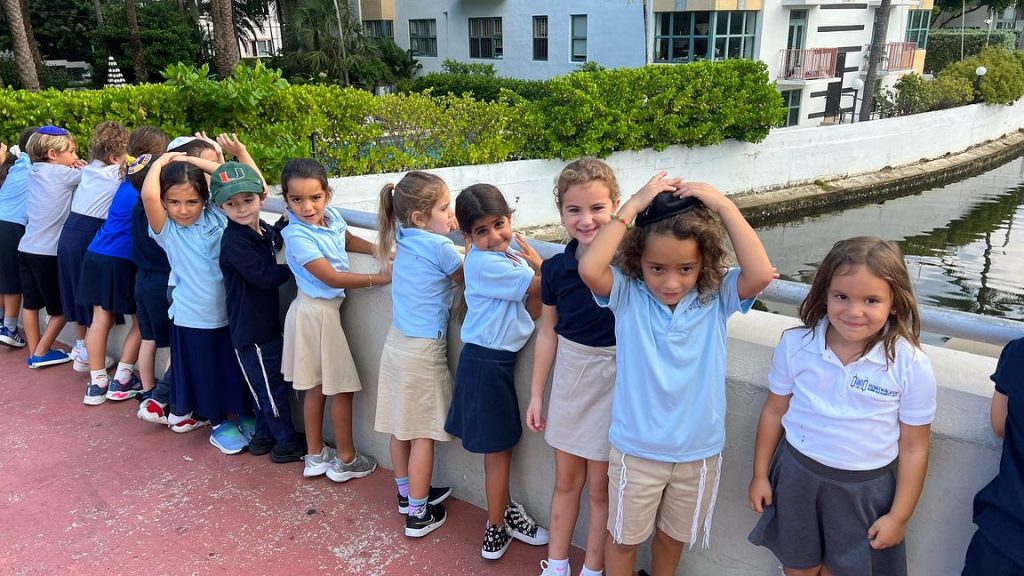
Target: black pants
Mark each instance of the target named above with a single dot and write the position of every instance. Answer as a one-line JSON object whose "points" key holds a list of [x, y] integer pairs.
{"points": [[261, 365]]}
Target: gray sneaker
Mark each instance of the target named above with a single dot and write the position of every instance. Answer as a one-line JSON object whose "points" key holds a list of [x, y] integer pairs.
{"points": [[318, 464], [359, 467]]}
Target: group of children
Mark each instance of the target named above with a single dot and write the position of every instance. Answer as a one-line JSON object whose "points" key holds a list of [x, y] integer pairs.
{"points": [[632, 338]]}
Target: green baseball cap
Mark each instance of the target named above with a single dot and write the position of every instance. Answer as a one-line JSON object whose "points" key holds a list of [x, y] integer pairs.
{"points": [[233, 178]]}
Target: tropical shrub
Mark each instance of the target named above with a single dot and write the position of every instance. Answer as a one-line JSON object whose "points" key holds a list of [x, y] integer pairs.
{"points": [[944, 45]]}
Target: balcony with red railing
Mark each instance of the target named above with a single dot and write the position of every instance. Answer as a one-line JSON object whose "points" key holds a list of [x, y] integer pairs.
{"points": [[808, 64], [899, 56]]}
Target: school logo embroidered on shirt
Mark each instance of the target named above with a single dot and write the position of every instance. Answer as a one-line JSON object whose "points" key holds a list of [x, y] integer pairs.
{"points": [[864, 385]]}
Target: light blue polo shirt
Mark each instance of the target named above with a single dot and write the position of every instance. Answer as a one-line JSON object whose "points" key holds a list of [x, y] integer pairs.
{"points": [[14, 192], [304, 243], [421, 290], [669, 401], [194, 254], [496, 285]]}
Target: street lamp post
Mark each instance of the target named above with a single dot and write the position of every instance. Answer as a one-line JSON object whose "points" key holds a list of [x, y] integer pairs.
{"points": [[858, 85], [979, 73]]}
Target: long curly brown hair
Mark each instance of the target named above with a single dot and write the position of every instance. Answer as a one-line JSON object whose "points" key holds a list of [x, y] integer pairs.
{"points": [[699, 224], [884, 260]]}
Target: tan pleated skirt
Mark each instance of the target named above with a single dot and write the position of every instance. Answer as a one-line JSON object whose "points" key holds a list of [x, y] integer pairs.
{"points": [[316, 351], [580, 407], [415, 387]]}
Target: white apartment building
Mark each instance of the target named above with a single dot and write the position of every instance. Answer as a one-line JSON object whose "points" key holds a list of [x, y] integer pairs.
{"points": [[815, 49]]}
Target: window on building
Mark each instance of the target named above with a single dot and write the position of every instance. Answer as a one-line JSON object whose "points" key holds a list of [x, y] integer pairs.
{"points": [[485, 38], [578, 50], [263, 48], [918, 23], [423, 37], [690, 36], [540, 37], [379, 28], [791, 100]]}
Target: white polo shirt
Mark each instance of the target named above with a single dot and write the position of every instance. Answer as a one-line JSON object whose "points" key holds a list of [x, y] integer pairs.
{"points": [[848, 417]]}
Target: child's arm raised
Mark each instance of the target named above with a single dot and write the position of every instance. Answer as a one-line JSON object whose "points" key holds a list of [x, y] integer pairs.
{"points": [[595, 266], [912, 465], [769, 433], [208, 166], [543, 358], [236, 148], [150, 193], [756, 270]]}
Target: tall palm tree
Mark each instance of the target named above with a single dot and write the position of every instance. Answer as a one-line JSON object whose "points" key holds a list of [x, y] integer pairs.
{"points": [[20, 45], [875, 55], [225, 43], [33, 45], [135, 42]]}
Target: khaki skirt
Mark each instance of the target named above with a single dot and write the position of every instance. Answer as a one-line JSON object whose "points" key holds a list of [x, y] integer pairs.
{"points": [[580, 407], [415, 388], [316, 351]]}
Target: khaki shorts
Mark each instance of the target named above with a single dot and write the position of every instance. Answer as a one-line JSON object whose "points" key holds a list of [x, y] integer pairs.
{"points": [[316, 351], [679, 496]]}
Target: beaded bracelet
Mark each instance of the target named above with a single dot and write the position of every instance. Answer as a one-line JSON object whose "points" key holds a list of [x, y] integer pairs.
{"points": [[623, 220]]}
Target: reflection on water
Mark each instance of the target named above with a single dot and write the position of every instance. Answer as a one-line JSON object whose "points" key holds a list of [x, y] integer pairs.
{"points": [[964, 241]]}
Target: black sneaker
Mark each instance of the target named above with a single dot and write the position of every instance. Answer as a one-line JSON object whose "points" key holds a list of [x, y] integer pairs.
{"points": [[522, 527], [496, 541], [259, 446], [281, 456], [435, 497], [430, 518]]}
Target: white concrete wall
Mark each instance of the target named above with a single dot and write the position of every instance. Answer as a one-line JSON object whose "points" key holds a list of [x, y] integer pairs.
{"points": [[786, 157], [964, 452], [615, 33]]}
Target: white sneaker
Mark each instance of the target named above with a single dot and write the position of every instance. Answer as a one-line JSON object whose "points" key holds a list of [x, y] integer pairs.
{"points": [[549, 571], [80, 357], [318, 464]]}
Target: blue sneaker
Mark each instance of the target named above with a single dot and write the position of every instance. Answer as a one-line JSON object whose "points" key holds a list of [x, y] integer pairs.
{"points": [[247, 426], [118, 391], [227, 438], [51, 358], [94, 395], [11, 338]]}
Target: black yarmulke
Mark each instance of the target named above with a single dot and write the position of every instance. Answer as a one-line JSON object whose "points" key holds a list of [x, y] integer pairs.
{"points": [[665, 205]]}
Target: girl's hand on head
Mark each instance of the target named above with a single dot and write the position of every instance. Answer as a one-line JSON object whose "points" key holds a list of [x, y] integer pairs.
{"points": [[533, 414], [706, 193], [528, 253], [760, 494], [887, 532], [168, 157], [216, 146], [230, 144], [656, 185]]}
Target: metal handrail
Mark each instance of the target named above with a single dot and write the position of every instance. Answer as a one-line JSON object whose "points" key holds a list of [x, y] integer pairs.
{"points": [[953, 323]]}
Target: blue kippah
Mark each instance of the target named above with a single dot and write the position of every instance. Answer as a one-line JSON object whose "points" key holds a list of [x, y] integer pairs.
{"points": [[51, 130]]}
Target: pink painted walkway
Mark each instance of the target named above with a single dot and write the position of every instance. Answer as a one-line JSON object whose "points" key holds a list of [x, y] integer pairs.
{"points": [[94, 490]]}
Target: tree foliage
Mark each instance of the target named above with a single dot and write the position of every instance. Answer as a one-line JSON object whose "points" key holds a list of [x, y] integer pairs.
{"points": [[944, 45], [167, 35]]}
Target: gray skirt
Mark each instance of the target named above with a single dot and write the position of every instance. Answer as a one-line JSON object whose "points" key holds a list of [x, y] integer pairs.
{"points": [[821, 515], [580, 406]]}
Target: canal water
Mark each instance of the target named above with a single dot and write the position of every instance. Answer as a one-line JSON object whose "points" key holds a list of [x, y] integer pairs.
{"points": [[964, 241]]}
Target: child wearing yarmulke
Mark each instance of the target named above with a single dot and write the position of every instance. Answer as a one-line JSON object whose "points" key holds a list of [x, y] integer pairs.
{"points": [[672, 296]]}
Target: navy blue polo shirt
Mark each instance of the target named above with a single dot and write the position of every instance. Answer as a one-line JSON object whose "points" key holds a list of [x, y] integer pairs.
{"points": [[999, 506], [252, 277], [146, 253], [580, 319]]}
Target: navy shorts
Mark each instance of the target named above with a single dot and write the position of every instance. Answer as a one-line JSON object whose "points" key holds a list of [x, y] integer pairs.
{"points": [[151, 306], [984, 559], [108, 282], [75, 237], [10, 274], [485, 409], [39, 283]]}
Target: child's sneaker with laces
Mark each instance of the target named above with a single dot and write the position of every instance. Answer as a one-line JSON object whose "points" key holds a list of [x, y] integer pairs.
{"points": [[227, 438], [94, 394], [260, 445], [435, 497], [279, 455], [11, 337], [80, 356], [522, 527], [123, 391], [429, 519], [548, 570], [317, 464], [496, 542], [359, 467], [152, 411], [186, 423]]}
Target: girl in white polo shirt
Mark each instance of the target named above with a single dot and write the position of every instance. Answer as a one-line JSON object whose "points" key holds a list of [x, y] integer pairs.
{"points": [[855, 396]]}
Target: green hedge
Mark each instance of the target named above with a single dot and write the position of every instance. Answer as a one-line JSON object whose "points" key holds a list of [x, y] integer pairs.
{"points": [[479, 86], [596, 112], [944, 45]]}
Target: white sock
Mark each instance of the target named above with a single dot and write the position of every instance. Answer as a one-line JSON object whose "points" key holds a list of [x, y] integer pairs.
{"points": [[124, 372], [558, 567], [588, 572], [100, 378]]}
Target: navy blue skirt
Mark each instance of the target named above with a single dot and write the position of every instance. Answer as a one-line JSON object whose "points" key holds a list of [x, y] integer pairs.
{"points": [[75, 237], [485, 409], [109, 282], [207, 379], [10, 275]]}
